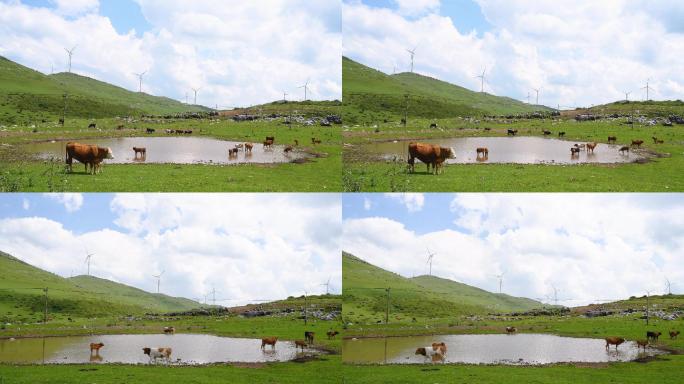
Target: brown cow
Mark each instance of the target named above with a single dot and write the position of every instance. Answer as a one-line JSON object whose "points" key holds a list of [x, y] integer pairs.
{"points": [[591, 146], [301, 344], [332, 334], [158, 353], [510, 330], [141, 150], [612, 139], [653, 335], [642, 344], [87, 154], [482, 151], [248, 147], [440, 347], [309, 336], [429, 154], [614, 341], [637, 143], [272, 138], [169, 330], [268, 144], [674, 334], [624, 149], [269, 341], [95, 347]]}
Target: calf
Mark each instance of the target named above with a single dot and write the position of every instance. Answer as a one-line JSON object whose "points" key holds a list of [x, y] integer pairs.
{"points": [[637, 143], [248, 147], [612, 139], [510, 330], [332, 334], [141, 150], [301, 344], [95, 347], [158, 353], [674, 334], [653, 335], [614, 341], [269, 341], [309, 336]]}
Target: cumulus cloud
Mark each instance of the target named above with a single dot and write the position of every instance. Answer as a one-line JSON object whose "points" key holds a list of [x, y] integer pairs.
{"points": [[246, 246], [580, 53], [239, 53], [75, 7], [590, 247], [72, 202], [412, 201], [417, 7]]}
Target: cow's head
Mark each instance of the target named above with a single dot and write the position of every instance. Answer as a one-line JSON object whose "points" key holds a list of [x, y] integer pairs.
{"points": [[421, 351], [147, 350], [449, 153], [110, 155]]}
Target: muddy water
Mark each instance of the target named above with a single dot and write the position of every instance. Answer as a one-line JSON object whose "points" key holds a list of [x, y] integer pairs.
{"points": [[521, 150], [187, 348], [489, 349], [178, 150]]}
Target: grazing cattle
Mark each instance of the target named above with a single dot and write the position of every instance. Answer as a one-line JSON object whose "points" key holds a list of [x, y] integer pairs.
{"points": [[637, 143], [179, 131], [121, 126], [92, 125], [642, 344], [656, 141], [332, 334], [674, 334], [546, 133], [574, 151], [232, 152], [61, 121], [430, 353], [141, 150], [309, 336], [591, 146], [623, 150], [169, 330], [487, 129], [315, 140], [288, 149], [561, 134], [95, 347], [272, 138], [87, 154], [512, 132], [268, 144], [612, 139], [581, 146], [482, 151], [440, 347], [269, 341], [169, 131], [188, 131], [433, 125], [238, 146], [510, 330], [248, 147], [614, 341], [653, 335], [148, 130], [301, 344], [158, 353], [429, 154]]}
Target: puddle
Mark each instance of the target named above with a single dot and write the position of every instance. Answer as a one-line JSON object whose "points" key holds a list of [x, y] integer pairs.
{"points": [[189, 348], [177, 150], [521, 150], [514, 349]]}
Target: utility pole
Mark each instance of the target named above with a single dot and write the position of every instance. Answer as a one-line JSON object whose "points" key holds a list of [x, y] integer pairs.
{"points": [[388, 306], [66, 97], [45, 316], [406, 110]]}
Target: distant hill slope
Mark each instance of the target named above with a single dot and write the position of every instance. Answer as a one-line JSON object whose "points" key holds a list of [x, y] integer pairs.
{"points": [[22, 296], [421, 297], [370, 95], [27, 95], [638, 108]]}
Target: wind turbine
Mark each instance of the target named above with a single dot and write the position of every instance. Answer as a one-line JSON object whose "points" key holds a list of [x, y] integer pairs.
{"points": [[648, 88], [158, 277], [88, 257], [555, 294], [482, 77], [306, 88], [500, 277], [195, 90], [70, 52], [431, 255], [412, 52], [668, 285], [627, 95], [213, 295], [327, 286], [537, 90], [140, 77], [284, 96], [528, 97]]}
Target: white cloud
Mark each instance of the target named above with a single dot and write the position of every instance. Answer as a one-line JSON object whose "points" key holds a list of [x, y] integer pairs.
{"points": [[248, 246], [412, 201], [239, 53], [590, 247], [75, 7], [72, 202], [583, 53], [417, 7]]}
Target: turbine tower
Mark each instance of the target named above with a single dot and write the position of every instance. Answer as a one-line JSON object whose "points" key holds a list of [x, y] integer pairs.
{"points": [[500, 277], [327, 286], [158, 277], [648, 88], [412, 52], [140, 77], [88, 258], [195, 90], [306, 88], [627, 95], [668, 284], [536, 90], [431, 255], [555, 294], [482, 78], [284, 96], [70, 52]]}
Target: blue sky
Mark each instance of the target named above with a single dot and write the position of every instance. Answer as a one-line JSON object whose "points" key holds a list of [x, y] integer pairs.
{"points": [[247, 246]]}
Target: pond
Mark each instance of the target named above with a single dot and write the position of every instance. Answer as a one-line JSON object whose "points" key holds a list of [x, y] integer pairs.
{"points": [[177, 150], [187, 349], [489, 349], [520, 150]]}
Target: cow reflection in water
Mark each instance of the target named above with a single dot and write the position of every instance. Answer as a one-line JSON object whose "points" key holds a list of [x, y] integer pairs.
{"points": [[96, 358]]}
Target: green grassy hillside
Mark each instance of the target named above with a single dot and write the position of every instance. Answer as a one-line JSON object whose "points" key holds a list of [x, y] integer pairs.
{"points": [[22, 297], [422, 297], [28, 96], [372, 96], [649, 108]]}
